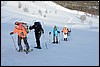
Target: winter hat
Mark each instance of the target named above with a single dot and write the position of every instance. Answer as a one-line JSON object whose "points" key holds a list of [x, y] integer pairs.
{"points": [[16, 23]]}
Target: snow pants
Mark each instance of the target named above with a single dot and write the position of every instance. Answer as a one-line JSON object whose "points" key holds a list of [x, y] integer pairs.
{"points": [[25, 42], [65, 36], [55, 38], [37, 36]]}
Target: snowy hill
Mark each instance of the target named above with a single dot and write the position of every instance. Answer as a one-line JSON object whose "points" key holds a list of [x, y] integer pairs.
{"points": [[81, 49]]}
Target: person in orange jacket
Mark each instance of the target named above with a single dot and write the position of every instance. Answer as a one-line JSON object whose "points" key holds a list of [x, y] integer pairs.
{"points": [[21, 31], [65, 33]]}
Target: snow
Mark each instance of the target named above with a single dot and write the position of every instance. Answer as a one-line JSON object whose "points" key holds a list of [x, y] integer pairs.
{"points": [[81, 49]]}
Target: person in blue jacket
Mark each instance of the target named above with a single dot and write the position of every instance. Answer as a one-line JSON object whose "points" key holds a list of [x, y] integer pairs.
{"points": [[55, 31]]}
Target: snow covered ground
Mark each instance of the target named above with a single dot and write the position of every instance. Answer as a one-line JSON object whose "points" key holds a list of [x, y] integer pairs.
{"points": [[81, 49]]}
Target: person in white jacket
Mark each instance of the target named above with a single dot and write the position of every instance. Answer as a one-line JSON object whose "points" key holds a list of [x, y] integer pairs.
{"points": [[65, 33]]}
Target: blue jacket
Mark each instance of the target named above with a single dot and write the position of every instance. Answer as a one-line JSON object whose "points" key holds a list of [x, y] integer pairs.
{"points": [[55, 31]]}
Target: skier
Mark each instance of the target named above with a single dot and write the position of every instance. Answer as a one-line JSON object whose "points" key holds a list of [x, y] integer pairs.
{"points": [[20, 29], [65, 32], [38, 31], [55, 31]]}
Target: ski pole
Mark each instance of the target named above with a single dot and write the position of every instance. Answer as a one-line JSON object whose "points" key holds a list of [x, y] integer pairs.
{"points": [[62, 36], [59, 38], [45, 42], [13, 42], [49, 38]]}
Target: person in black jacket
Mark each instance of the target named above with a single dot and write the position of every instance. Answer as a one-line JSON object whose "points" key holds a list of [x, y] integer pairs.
{"points": [[38, 31]]}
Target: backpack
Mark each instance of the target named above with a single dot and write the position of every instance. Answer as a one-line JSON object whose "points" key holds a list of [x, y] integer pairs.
{"points": [[26, 27]]}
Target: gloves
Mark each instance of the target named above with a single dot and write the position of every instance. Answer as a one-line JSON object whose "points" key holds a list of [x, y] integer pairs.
{"points": [[58, 31], [22, 33], [30, 28], [49, 32], [43, 32], [11, 33]]}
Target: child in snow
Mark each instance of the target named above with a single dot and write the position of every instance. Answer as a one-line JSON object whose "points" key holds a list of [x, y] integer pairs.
{"points": [[55, 31], [65, 32]]}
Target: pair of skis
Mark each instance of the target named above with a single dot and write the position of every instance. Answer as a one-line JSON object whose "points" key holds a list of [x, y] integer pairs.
{"points": [[22, 50], [30, 50]]}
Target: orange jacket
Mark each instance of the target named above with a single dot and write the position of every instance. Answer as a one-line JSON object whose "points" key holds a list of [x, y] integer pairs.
{"points": [[20, 29], [65, 30]]}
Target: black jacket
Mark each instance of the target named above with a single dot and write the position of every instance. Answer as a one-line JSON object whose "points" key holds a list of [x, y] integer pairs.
{"points": [[38, 29]]}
